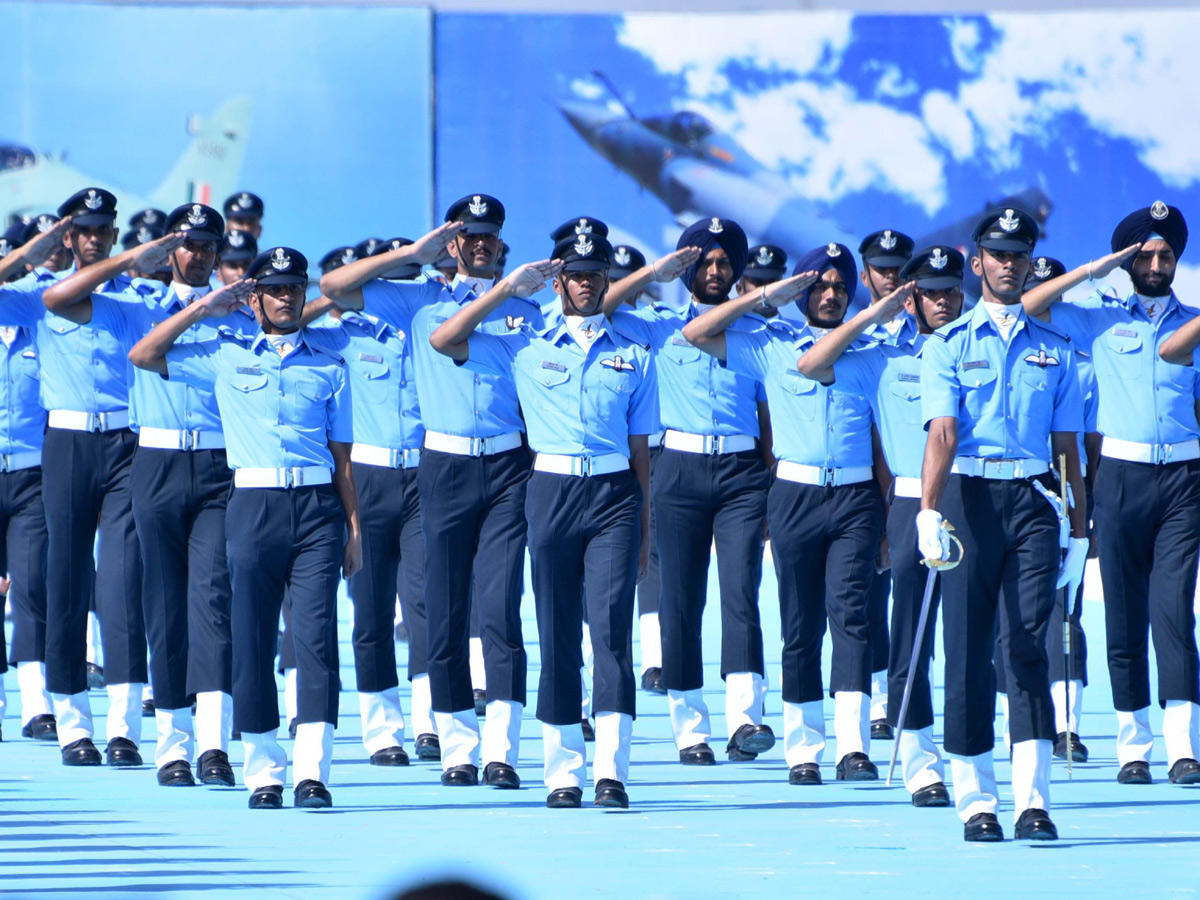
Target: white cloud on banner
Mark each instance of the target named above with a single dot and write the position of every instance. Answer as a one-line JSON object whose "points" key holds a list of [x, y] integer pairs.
{"points": [[1126, 74]]}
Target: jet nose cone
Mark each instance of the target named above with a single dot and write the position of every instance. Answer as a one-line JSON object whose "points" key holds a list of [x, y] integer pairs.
{"points": [[586, 118]]}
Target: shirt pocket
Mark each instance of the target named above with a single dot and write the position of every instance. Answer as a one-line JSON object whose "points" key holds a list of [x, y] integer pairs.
{"points": [[906, 401], [1038, 386], [250, 394], [370, 381], [804, 392], [623, 382], [978, 388], [1128, 354], [308, 403], [549, 388]]}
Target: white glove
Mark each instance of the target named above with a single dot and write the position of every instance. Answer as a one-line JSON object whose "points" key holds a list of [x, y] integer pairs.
{"points": [[1071, 573], [933, 541]]}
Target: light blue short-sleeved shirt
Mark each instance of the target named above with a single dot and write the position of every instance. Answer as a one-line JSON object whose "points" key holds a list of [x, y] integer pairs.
{"points": [[22, 419], [83, 369], [278, 412], [810, 424], [383, 389], [575, 403], [696, 394], [453, 399], [889, 376], [1007, 396], [1143, 398], [155, 402]]}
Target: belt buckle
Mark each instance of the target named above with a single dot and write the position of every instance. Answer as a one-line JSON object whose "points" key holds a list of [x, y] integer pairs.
{"points": [[1005, 469], [189, 440], [289, 478], [6, 462], [828, 477], [477, 446], [95, 422], [712, 444], [1160, 454], [395, 458]]}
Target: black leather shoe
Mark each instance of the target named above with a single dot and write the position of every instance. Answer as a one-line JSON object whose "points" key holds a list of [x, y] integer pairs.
{"points": [[461, 776], [1035, 825], [41, 728], [214, 769], [1184, 771], [81, 753], [931, 795], [749, 741], [857, 767], [589, 733], [697, 755], [122, 752], [95, 677], [147, 709], [389, 756], [292, 726], [652, 682], [269, 797], [311, 794], [1136, 772], [610, 794], [565, 798], [176, 774], [428, 746], [881, 730], [983, 828], [501, 775], [1079, 752], [480, 702], [805, 774]]}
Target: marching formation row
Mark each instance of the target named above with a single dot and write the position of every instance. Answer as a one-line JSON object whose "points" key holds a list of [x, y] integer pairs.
{"points": [[425, 420]]}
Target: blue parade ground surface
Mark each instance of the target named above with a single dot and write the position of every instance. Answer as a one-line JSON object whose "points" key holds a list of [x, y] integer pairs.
{"points": [[736, 830]]}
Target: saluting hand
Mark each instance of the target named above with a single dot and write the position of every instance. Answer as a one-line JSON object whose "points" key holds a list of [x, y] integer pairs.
{"points": [[671, 266], [530, 278], [427, 249], [153, 256], [352, 556], [889, 305], [781, 293], [225, 300], [1105, 264], [39, 249]]}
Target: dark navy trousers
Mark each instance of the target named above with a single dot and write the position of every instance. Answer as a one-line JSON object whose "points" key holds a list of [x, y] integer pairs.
{"points": [[284, 540], [179, 499], [698, 498], [649, 592], [473, 522], [1004, 586], [393, 555], [584, 535], [908, 590], [86, 491], [23, 557], [825, 540], [1148, 529]]}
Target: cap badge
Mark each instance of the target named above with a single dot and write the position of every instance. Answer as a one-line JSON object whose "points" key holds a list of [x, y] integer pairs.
{"points": [[765, 256], [1159, 211], [236, 239], [622, 257], [372, 245], [887, 241], [1041, 268], [833, 251], [93, 200], [937, 259], [280, 261], [477, 206], [144, 235], [149, 217], [1010, 221], [584, 227], [715, 226], [244, 201], [196, 216], [583, 247], [348, 256], [44, 224], [5, 248]]}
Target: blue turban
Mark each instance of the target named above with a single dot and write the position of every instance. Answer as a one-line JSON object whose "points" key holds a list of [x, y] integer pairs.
{"points": [[1165, 221], [708, 233], [831, 256]]}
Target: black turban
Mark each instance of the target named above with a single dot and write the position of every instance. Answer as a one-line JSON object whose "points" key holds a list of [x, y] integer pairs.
{"points": [[708, 233], [1136, 228], [831, 256]]}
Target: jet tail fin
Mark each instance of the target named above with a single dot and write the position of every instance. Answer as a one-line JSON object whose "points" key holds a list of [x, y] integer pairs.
{"points": [[207, 172], [612, 89]]}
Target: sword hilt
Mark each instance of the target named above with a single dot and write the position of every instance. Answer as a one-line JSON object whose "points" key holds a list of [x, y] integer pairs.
{"points": [[945, 565]]}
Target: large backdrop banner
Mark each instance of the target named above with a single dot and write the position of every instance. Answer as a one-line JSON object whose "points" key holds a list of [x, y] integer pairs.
{"points": [[326, 113]]}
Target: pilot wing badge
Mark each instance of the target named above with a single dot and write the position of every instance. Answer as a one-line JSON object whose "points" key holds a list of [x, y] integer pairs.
{"points": [[1041, 360], [618, 364]]}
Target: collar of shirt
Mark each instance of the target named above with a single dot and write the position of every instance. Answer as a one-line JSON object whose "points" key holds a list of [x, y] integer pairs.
{"points": [[479, 286], [562, 329], [983, 315], [186, 293], [1154, 307], [296, 338], [584, 329]]}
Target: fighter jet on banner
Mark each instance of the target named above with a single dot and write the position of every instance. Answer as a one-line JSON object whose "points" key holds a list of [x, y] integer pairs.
{"points": [[207, 172], [698, 171]]}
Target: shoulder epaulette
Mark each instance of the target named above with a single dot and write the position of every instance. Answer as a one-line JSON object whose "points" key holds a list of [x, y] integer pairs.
{"points": [[1050, 327], [232, 334], [319, 347], [951, 327], [625, 329]]}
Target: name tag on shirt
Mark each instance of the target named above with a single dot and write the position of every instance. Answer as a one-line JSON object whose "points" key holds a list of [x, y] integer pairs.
{"points": [[1125, 332], [975, 364], [249, 370], [555, 366], [910, 379], [680, 342], [370, 357]]}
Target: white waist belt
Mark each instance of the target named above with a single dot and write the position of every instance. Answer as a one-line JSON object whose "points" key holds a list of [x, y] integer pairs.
{"points": [[655, 440], [298, 476], [80, 421], [708, 444], [468, 446], [384, 456], [26, 459], [1159, 454], [558, 464], [999, 469], [823, 477], [170, 439], [907, 487]]}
